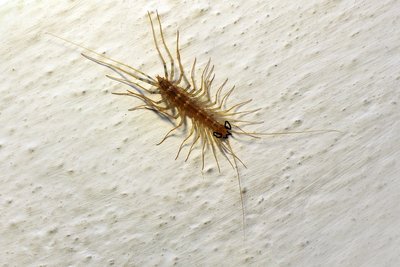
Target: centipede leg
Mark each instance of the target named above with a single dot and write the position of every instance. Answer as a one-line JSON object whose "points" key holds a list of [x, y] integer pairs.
{"points": [[247, 112], [238, 105], [157, 47], [133, 94], [207, 82], [153, 108], [229, 150], [173, 129], [114, 67], [225, 97], [130, 83], [197, 137], [192, 77], [240, 188], [212, 141], [203, 148], [182, 71], [166, 48], [218, 93], [106, 58], [184, 141], [203, 75]]}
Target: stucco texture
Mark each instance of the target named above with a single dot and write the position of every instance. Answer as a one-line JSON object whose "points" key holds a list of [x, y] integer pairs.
{"points": [[83, 182]]}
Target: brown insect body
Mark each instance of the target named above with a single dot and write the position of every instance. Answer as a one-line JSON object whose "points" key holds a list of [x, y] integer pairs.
{"points": [[192, 107]]}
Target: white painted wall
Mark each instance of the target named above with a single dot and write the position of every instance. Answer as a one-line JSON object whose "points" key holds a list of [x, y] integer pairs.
{"points": [[83, 184]]}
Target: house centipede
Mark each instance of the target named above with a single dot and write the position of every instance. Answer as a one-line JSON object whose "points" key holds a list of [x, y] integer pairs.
{"points": [[212, 123]]}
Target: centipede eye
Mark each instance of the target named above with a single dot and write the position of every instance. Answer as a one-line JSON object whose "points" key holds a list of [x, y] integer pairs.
{"points": [[226, 136], [218, 135], [228, 125]]}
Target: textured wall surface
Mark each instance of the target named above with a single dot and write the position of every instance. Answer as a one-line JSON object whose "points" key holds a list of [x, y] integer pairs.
{"points": [[83, 183]]}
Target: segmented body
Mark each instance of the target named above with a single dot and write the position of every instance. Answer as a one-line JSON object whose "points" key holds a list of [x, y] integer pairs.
{"points": [[191, 106]]}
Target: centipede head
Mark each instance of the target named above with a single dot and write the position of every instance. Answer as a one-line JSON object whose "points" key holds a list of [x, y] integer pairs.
{"points": [[224, 132]]}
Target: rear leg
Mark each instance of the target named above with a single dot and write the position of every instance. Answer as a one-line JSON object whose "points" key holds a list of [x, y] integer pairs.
{"points": [[130, 83], [140, 96], [115, 67], [154, 108], [147, 77]]}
